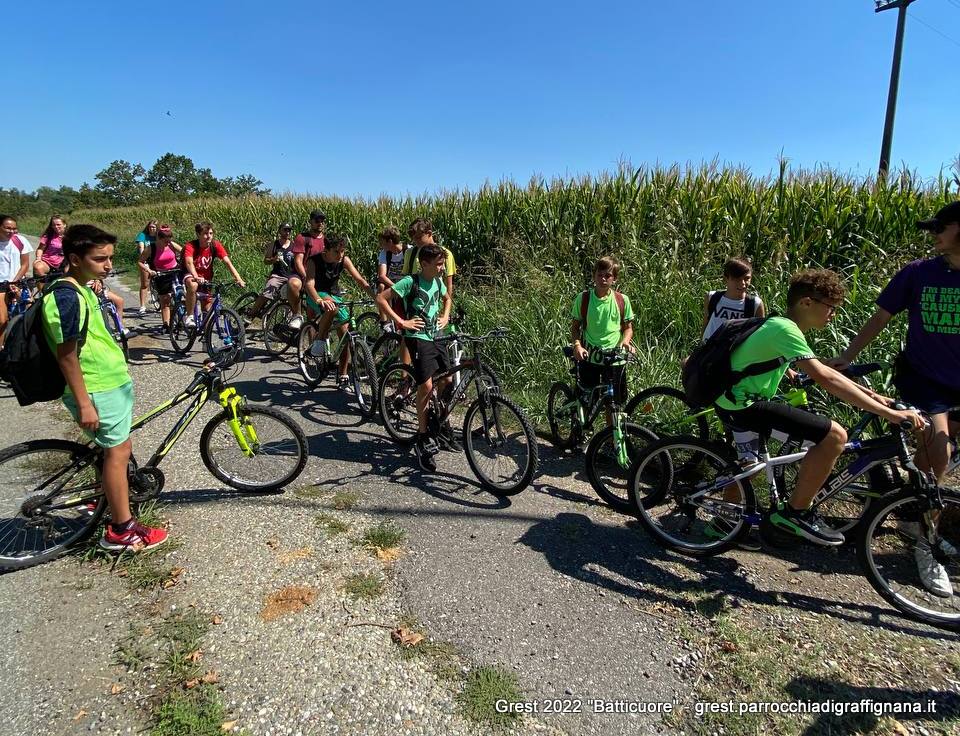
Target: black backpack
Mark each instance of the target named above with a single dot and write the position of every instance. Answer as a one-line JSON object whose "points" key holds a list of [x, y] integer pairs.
{"points": [[707, 374], [26, 361]]}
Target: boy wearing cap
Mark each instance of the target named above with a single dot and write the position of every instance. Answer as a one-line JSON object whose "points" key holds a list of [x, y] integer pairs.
{"points": [[928, 369], [282, 279]]}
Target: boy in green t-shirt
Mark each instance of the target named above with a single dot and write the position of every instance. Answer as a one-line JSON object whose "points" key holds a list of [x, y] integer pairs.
{"points": [[812, 300], [423, 295], [607, 326], [99, 392]]}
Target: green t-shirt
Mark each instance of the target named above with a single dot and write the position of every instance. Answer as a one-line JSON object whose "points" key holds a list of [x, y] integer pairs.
{"points": [[425, 305], [603, 329], [778, 337], [101, 359]]}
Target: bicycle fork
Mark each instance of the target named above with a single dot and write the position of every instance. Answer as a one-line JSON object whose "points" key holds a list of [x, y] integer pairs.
{"points": [[242, 428]]}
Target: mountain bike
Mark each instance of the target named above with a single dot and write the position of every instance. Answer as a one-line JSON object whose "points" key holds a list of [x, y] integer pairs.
{"points": [[221, 328], [317, 357], [50, 492], [498, 439], [275, 330]]}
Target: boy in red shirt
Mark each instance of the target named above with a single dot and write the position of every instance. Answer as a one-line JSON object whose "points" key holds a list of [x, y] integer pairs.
{"points": [[198, 258]]}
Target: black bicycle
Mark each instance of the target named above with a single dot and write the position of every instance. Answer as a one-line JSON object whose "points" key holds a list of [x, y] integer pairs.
{"points": [[498, 439], [220, 326], [50, 492]]}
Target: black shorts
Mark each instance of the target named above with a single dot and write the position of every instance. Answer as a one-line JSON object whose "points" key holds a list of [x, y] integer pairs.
{"points": [[922, 392], [592, 375], [427, 357], [764, 417], [164, 283]]}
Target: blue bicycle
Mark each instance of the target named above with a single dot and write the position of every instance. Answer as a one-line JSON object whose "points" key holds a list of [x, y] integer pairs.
{"points": [[220, 327]]}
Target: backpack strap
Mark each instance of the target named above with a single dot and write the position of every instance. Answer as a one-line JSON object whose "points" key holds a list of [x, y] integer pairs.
{"points": [[749, 306], [584, 305], [715, 297], [621, 305], [407, 268], [17, 243], [411, 295]]}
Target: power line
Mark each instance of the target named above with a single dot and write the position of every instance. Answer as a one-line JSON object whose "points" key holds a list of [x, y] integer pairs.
{"points": [[921, 21]]}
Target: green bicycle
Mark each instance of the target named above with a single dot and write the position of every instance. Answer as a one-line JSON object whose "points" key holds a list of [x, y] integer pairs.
{"points": [[50, 493]]}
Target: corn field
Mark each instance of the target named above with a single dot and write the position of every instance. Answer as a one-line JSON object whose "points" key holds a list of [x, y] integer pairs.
{"points": [[527, 251]]}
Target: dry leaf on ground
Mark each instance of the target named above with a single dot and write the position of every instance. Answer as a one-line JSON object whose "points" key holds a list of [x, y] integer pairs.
{"points": [[291, 599], [217, 620], [729, 647], [194, 656], [405, 637], [387, 554], [192, 683], [211, 678], [80, 714], [117, 688]]}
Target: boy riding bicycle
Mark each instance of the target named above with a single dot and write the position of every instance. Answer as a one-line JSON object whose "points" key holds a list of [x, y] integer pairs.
{"points": [[423, 294], [198, 258], [812, 300]]}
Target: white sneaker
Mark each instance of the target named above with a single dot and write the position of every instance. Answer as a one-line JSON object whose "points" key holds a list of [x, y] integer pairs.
{"points": [[296, 322], [933, 575], [318, 349], [189, 322]]}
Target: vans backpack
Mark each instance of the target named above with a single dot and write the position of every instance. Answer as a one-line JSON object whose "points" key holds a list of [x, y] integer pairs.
{"points": [[749, 304], [26, 361], [707, 374]]}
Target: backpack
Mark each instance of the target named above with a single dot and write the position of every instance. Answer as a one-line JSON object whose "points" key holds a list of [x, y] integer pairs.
{"points": [[707, 374], [749, 304], [585, 303], [17, 242], [26, 361]]}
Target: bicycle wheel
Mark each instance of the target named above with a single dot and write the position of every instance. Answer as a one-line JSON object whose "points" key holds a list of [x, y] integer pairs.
{"points": [[563, 416], [677, 486], [182, 337], [154, 296], [665, 411], [312, 367], [364, 378], [243, 303], [894, 541], [278, 444], [368, 325], [397, 401], [500, 444], [277, 333], [224, 333], [608, 471], [32, 532], [386, 351]]}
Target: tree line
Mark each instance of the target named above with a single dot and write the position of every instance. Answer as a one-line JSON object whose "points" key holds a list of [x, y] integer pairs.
{"points": [[122, 183]]}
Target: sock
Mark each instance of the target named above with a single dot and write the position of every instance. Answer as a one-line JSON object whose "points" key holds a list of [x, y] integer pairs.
{"points": [[121, 528]]}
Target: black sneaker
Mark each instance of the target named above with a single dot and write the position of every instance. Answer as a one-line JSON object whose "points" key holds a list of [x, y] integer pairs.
{"points": [[426, 448], [806, 524]]}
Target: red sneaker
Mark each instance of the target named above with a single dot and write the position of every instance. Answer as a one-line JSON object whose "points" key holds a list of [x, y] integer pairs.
{"points": [[136, 538]]}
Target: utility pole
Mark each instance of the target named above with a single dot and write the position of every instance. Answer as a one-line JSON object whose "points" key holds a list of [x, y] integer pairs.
{"points": [[887, 143]]}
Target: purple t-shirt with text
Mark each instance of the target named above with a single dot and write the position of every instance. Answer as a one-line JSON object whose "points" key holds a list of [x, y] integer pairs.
{"points": [[930, 292]]}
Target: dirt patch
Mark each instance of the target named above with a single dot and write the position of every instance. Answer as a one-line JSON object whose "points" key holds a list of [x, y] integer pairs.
{"points": [[291, 599], [285, 557]]}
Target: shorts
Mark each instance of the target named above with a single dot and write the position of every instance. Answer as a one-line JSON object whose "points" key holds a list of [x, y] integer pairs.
{"points": [[115, 408], [342, 314], [768, 417], [924, 393], [592, 375], [165, 284], [274, 285], [427, 358]]}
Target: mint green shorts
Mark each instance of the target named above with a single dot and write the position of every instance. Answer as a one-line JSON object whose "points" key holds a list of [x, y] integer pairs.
{"points": [[342, 314], [115, 408]]}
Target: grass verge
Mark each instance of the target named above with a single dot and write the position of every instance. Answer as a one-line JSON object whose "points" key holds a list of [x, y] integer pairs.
{"points": [[331, 524], [384, 535], [364, 586], [483, 687]]}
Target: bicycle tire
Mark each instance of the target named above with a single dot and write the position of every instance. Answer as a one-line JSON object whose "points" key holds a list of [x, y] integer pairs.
{"points": [[662, 477], [364, 377], [368, 325], [296, 443], [224, 333], [76, 527], [311, 367], [562, 436], [396, 402], [662, 409], [908, 505], [386, 350], [181, 336], [277, 315], [610, 481], [499, 407], [154, 296], [243, 303]]}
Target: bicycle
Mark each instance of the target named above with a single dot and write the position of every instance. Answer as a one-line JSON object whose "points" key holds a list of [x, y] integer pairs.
{"points": [[316, 357], [275, 330], [111, 318], [47, 486], [494, 427], [221, 328]]}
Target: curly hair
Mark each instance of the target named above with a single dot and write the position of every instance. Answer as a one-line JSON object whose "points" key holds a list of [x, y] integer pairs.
{"points": [[816, 282], [389, 234], [420, 226]]}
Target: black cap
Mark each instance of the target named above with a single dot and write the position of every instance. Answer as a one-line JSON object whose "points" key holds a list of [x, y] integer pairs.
{"points": [[946, 215], [318, 215], [285, 226]]}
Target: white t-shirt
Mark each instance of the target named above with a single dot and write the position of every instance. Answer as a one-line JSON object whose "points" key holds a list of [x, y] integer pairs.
{"points": [[394, 264], [727, 308], [10, 257]]}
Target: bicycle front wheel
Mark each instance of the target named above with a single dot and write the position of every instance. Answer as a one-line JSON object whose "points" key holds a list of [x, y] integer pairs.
{"points": [[182, 337], [244, 303], [364, 378], [563, 416], [277, 333], [397, 400], [910, 555], [665, 411], [608, 463], [312, 367], [386, 351], [277, 444], [500, 444], [368, 325], [685, 499], [224, 333], [33, 527]]}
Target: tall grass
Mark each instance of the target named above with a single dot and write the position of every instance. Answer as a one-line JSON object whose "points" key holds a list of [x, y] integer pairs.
{"points": [[527, 250]]}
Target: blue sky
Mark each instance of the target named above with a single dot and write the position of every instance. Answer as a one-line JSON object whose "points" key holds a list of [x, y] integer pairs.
{"points": [[375, 97]]}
